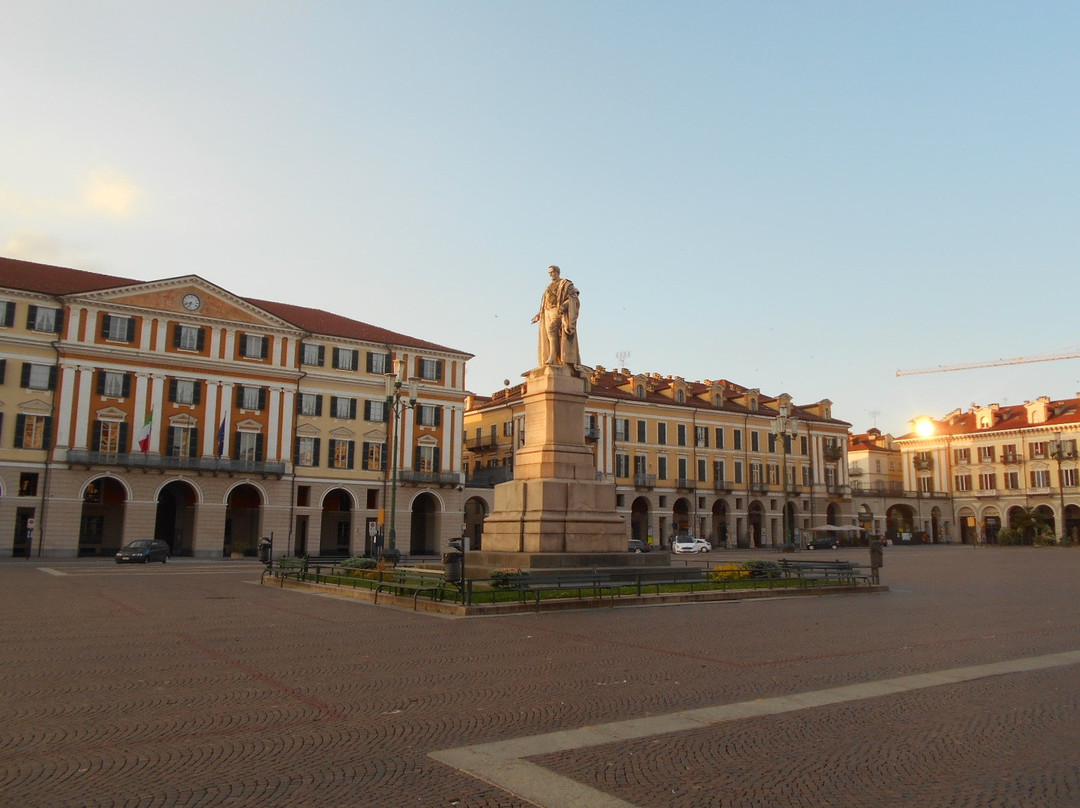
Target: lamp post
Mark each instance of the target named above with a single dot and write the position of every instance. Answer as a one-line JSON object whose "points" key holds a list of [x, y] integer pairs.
{"points": [[1059, 453], [394, 382], [785, 426]]}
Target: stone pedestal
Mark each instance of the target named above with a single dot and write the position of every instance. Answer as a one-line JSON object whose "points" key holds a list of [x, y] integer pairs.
{"points": [[555, 504]]}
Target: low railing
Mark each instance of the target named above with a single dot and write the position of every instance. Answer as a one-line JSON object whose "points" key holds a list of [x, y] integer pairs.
{"points": [[158, 461], [429, 477], [644, 480]]}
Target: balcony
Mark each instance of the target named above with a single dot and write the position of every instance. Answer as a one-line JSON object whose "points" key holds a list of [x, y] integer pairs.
{"points": [[855, 471], [756, 486], [1011, 458], [490, 477], [482, 444], [685, 483], [439, 478], [592, 433], [723, 485], [644, 481], [142, 460], [1041, 491], [986, 492]]}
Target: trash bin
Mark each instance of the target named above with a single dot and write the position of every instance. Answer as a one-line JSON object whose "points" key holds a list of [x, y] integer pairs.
{"points": [[452, 563], [266, 547]]}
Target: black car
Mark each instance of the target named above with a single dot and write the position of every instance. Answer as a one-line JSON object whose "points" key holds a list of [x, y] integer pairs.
{"points": [[638, 546], [143, 551], [823, 543]]}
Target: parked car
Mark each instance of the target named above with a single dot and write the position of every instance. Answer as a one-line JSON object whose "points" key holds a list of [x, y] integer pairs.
{"points": [[143, 551], [638, 546], [688, 544], [823, 543]]}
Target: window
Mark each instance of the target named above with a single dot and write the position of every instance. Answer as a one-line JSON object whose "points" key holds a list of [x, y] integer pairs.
{"points": [[1012, 480], [641, 436], [40, 318], [184, 391], [772, 472], [38, 377], [7, 313], [963, 482], [988, 481], [772, 442], [1040, 478], [341, 454], [926, 484], [719, 437], [253, 347], [110, 437], [182, 441], [737, 433], [377, 411], [427, 459], [309, 404], [986, 454], [307, 452], [962, 456], [1037, 450], [249, 447], [428, 415], [755, 441], [312, 355], [341, 407], [379, 363], [622, 465], [431, 370], [738, 472], [1068, 478], [701, 436], [113, 384], [188, 338], [639, 391], [622, 429], [117, 329], [718, 470], [32, 431], [807, 480], [661, 433], [344, 359], [508, 429], [251, 398], [701, 470], [641, 464], [661, 468], [680, 434], [804, 445], [756, 472], [1008, 453], [374, 456], [28, 484]]}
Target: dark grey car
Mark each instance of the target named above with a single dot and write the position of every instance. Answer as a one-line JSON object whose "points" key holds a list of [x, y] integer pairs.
{"points": [[143, 551]]}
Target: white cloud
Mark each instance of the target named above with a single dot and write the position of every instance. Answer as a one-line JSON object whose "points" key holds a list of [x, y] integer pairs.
{"points": [[42, 248], [107, 191]]}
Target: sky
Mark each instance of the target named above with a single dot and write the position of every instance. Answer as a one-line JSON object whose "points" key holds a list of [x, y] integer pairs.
{"points": [[802, 197]]}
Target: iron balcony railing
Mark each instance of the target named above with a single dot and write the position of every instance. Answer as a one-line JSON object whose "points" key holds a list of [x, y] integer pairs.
{"points": [[158, 461], [491, 476], [644, 480], [430, 477]]}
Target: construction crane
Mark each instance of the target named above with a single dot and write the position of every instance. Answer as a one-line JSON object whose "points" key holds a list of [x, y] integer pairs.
{"points": [[1069, 353]]}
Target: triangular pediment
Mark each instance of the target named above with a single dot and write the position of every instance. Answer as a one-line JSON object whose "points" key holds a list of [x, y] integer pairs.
{"points": [[249, 425], [375, 434], [427, 440], [190, 297], [341, 433], [183, 420], [111, 414], [307, 431], [35, 406]]}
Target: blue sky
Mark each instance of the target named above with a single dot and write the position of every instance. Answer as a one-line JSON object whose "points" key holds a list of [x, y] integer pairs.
{"points": [[796, 196]]}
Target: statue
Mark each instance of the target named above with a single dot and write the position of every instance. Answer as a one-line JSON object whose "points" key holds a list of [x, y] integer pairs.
{"points": [[558, 316]]}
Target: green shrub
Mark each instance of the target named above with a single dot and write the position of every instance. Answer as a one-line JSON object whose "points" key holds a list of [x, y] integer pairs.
{"points": [[507, 577], [757, 568], [1010, 537], [359, 563], [1045, 539]]}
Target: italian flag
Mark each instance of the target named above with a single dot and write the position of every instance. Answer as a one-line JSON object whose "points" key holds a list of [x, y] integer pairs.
{"points": [[144, 432]]}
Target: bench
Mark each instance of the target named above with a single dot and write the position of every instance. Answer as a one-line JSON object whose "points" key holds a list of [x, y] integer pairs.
{"points": [[401, 581], [287, 567], [839, 572], [536, 582]]}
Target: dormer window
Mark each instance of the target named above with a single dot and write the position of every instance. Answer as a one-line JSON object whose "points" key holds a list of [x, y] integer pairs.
{"points": [[640, 391]]}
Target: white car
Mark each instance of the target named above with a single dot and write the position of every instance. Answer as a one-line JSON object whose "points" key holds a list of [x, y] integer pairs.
{"points": [[688, 544]]}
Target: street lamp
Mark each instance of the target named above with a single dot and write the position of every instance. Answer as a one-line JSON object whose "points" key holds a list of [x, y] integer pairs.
{"points": [[1059, 452], [785, 426], [394, 382]]}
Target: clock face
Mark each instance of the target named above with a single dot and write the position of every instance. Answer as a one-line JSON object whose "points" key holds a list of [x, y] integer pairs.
{"points": [[191, 301]]}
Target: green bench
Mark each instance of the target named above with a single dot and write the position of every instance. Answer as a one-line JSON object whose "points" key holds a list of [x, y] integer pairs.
{"points": [[403, 581], [839, 572]]}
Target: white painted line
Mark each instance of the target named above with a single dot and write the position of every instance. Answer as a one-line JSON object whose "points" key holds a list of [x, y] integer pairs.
{"points": [[503, 763], [51, 571]]}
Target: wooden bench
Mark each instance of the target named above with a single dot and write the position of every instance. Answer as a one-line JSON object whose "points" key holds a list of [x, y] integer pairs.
{"points": [[287, 567]]}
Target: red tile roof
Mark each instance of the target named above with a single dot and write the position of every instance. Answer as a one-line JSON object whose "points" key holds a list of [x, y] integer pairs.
{"points": [[50, 280], [1063, 412]]}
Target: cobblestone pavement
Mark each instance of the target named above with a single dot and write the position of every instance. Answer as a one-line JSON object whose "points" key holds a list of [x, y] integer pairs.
{"points": [[189, 684]]}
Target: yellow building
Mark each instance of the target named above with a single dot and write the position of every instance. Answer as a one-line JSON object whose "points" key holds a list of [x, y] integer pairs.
{"points": [[997, 468], [175, 409], [704, 458]]}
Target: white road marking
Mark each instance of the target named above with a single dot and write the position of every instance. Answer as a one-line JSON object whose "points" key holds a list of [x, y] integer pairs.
{"points": [[503, 763]]}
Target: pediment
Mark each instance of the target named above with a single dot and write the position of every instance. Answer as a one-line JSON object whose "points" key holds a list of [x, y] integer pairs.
{"points": [[307, 431], [35, 406], [375, 434], [205, 300], [341, 433], [111, 414], [428, 440], [249, 425], [183, 420]]}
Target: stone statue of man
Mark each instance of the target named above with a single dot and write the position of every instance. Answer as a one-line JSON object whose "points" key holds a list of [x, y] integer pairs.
{"points": [[558, 316]]}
